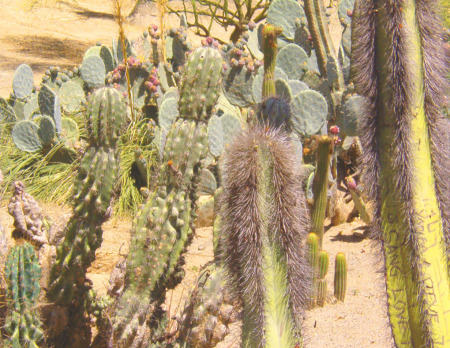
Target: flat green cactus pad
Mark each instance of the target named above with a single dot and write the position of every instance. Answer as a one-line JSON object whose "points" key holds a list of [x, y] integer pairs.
{"points": [[25, 136], [309, 112], [23, 81]]}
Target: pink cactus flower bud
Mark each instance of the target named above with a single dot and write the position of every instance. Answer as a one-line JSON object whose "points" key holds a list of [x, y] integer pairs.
{"points": [[349, 13], [334, 130], [351, 183], [209, 40]]}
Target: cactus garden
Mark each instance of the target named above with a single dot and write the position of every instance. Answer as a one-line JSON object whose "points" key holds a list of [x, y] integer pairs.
{"points": [[261, 173]]}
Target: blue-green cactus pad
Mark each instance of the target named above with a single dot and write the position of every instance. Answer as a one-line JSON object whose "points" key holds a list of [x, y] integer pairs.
{"points": [[309, 112], [215, 136], [70, 132], [71, 96], [31, 108], [297, 86], [283, 90], [46, 130], [93, 71], [49, 105], [253, 44], [168, 112], [352, 112], [283, 14], [25, 136], [293, 60], [208, 184], [343, 7], [231, 126], [23, 81], [237, 86]]}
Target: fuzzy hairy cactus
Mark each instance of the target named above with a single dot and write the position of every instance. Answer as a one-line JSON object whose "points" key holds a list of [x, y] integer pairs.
{"points": [[93, 191], [164, 226], [22, 272], [399, 64], [264, 219]]}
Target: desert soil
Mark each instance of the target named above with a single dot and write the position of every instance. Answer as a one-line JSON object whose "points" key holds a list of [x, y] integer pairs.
{"points": [[59, 36]]}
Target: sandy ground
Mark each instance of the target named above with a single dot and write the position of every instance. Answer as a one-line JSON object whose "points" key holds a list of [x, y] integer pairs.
{"points": [[60, 36], [358, 322]]}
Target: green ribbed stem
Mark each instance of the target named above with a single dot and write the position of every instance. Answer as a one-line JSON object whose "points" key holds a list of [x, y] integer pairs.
{"points": [[320, 186], [340, 277], [270, 49]]}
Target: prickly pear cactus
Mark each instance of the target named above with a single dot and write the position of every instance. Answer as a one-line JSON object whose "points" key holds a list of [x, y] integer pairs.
{"points": [[92, 198], [263, 220], [22, 272], [163, 227]]}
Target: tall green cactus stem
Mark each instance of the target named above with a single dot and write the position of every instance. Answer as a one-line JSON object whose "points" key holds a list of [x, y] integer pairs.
{"points": [[270, 49], [164, 226], [312, 252], [318, 27], [22, 273], [340, 276], [320, 185], [324, 261], [93, 191], [399, 64], [200, 84], [264, 219]]}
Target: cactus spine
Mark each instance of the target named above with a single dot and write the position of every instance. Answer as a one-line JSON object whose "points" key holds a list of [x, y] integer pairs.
{"points": [[320, 185], [22, 272], [399, 65], [92, 197], [340, 277], [263, 221], [163, 227]]}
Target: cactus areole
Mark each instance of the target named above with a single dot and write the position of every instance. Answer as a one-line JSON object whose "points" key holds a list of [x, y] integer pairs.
{"points": [[400, 67]]}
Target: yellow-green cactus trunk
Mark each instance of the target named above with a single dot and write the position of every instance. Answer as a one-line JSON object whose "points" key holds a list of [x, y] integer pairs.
{"points": [[417, 280]]}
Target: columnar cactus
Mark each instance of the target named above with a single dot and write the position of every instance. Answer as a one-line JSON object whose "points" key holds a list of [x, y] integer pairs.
{"points": [[400, 66], [22, 273], [324, 261], [163, 227], [93, 191], [270, 49], [264, 220], [320, 185], [340, 277]]}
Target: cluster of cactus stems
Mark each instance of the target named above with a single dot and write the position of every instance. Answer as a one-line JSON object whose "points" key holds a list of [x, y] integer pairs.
{"points": [[399, 65], [263, 221], [92, 197], [22, 272], [163, 227]]}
